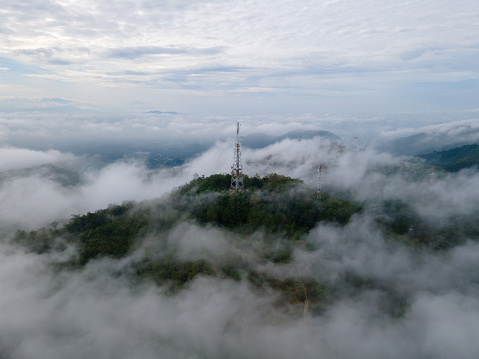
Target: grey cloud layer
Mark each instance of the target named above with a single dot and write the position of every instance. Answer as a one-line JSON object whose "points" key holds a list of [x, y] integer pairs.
{"points": [[370, 175], [331, 48], [135, 52], [94, 313], [27, 185]]}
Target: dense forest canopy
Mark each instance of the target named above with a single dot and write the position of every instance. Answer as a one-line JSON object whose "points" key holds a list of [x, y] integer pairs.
{"points": [[454, 159], [268, 220]]}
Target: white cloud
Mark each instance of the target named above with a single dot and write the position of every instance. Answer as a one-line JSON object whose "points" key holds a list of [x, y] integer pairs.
{"points": [[360, 172], [93, 313], [18, 158], [457, 130], [346, 48]]}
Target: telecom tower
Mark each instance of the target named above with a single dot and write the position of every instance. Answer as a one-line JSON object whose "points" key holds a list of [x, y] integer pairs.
{"points": [[432, 175], [355, 144], [237, 168], [318, 190]]}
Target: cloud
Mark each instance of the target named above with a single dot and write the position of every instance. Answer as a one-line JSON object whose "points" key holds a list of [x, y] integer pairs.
{"points": [[59, 101], [39, 195], [34, 202], [367, 174], [135, 52], [97, 312], [18, 158], [87, 126], [90, 314], [369, 54], [435, 137], [55, 55]]}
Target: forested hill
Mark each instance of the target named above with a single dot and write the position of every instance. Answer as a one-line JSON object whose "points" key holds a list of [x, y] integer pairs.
{"points": [[204, 229], [262, 224], [454, 159], [274, 204]]}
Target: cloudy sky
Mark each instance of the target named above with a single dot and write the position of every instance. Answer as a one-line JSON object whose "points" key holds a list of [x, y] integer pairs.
{"points": [[240, 57], [97, 71]]}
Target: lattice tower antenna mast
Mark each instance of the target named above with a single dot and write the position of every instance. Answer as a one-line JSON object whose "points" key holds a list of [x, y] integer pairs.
{"points": [[432, 175], [318, 190], [237, 167]]}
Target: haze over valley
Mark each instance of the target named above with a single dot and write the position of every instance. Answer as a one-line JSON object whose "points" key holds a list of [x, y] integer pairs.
{"points": [[356, 234]]}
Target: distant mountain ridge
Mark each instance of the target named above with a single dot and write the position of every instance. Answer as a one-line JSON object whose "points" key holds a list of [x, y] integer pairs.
{"points": [[171, 153], [261, 140], [435, 138], [62, 176], [454, 159]]}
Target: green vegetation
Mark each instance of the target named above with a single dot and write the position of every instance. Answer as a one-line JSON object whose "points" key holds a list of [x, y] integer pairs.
{"points": [[275, 203], [221, 182], [264, 224], [308, 293], [454, 159], [203, 229], [173, 272], [401, 223]]}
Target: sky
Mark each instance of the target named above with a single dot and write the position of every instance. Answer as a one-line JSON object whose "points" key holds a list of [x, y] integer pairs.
{"points": [[239, 57], [82, 73]]}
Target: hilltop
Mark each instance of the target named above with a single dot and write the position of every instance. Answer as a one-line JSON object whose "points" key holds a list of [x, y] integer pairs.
{"points": [[454, 159], [264, 223], [272, 259], [204, 229]]}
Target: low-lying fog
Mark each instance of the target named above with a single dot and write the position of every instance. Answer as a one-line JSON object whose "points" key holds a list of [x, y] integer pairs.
{"points": [[94, 312]]}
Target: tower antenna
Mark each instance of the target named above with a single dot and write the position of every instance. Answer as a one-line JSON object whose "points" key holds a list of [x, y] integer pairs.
{"points": [[237, 183], [318, 190], [432, 175], [355, 144]]}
